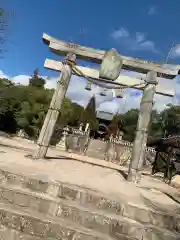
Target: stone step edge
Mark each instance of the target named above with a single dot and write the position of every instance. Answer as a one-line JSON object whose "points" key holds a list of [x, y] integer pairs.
{"points": [[55, 203], [74, 192], [55, 186], [4, 173], [61, 208], [27, 191], [75, 214], [62, 201], [69, 186], [9, 234], [128, 227], [28, 223]]}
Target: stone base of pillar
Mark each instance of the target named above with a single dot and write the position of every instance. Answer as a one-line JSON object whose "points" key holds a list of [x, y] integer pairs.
{"points": [[134, 176]]}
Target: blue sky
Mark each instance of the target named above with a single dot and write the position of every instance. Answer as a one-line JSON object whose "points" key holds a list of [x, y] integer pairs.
{"points": [[144, 29]]}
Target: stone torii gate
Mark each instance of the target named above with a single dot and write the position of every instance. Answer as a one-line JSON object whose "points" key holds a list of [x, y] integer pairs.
{"points": [[111, 64]]}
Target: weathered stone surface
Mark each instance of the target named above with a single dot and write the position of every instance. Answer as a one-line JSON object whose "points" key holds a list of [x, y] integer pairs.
{"points": [[114, 152], [175, 182], [28, 200], [50, 229], [113, 225], [43, 229], [96, 149], [79, 205], [90, 199], [37, 184], [11, 234], [138, 213], [109, 224], [86, 198], [156, 234], [76, 143], [118, 153], [148, 216], [97, 220], [68, 192]]}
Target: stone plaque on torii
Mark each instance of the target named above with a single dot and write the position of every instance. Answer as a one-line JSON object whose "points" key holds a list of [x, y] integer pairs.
{"points": [[111, 64]]}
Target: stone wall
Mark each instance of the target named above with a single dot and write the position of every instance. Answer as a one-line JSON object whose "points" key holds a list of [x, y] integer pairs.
{"points": [[76, 143], [117, 151]]}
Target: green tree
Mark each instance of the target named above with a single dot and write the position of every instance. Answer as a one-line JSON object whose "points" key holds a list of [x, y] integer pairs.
{"points": [[8, 105], [70, 113], [25, 107], [36, 81], [89, 114], [155, 128], [170, 120], [129, 124]]}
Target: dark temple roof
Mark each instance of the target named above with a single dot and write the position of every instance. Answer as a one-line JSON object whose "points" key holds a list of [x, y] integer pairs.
{"points": [[104, 115]]}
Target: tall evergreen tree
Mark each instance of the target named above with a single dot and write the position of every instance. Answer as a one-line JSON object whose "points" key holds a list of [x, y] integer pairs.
{"points": [[90, 113], [36, 81]]}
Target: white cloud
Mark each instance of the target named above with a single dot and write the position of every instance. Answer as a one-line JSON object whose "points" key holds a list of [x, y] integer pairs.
{"points": [[24, 79], [152, 10], [140, 37], [132, 97], [2, 75], [77, 93], [20, 79], [175, 51], [139, 42], [121, 33]]}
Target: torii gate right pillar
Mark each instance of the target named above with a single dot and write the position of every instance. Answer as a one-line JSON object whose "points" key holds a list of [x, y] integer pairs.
{"points": [[139, 146]]}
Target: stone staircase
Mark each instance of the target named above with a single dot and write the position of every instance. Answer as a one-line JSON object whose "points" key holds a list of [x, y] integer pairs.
{"points": [[36, 208]]}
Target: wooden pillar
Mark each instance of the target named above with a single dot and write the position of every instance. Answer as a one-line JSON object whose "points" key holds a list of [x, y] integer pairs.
{"points": [[139, 146], [54, 108]]}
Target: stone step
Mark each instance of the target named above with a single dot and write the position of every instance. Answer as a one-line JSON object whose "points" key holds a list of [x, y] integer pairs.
{"points": [[40, 183], [83, 212], [27, 199], [11, 234], [89, 198], [70, 214], [16, 221], [68, 210], [111, 224]]}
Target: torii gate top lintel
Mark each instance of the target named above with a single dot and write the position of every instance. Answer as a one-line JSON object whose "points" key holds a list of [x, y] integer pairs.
{"points": [[61, 48]]}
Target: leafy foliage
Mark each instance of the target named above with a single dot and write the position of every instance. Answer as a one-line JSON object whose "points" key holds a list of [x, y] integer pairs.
{"points": [[25, 107], [36, 81], [129, 123]]}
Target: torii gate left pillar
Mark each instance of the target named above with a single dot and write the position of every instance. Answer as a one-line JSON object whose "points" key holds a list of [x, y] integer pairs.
{"points": [[55, 106]]}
